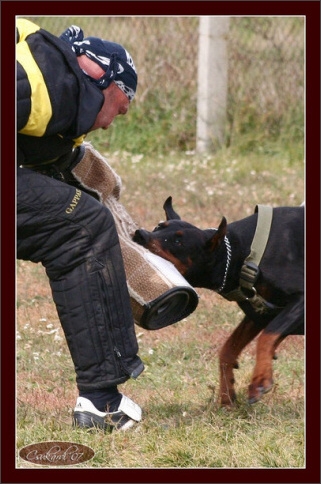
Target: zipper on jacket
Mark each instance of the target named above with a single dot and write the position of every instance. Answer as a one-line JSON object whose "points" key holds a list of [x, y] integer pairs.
{"points": [[120, 359]]}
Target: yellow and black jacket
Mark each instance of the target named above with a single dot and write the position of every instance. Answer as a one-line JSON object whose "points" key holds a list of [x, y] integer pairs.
{"points": [[56, 103]]}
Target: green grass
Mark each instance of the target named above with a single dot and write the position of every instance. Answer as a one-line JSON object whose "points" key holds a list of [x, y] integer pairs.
{"points": [[182, 426], [155, 129]]}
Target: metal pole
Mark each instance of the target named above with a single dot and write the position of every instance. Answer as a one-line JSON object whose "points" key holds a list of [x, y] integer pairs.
{"points": [[212, 83]]}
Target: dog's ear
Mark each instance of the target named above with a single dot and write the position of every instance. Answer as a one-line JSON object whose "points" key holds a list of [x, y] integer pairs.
{"points": [[218, 237], [170, 212]]}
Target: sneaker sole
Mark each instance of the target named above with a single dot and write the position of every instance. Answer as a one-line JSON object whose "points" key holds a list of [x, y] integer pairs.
{"points": [[88, 420]]}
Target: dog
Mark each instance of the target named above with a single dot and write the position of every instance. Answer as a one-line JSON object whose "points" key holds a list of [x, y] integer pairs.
{"points": [[273, 303]]}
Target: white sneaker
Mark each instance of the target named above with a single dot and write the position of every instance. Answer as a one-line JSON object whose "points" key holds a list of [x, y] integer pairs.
{"points": [[86, 415]]}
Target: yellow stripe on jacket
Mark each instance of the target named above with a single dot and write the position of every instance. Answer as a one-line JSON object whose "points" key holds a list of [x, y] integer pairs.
{"points": [[25, 28], [41, 110]]}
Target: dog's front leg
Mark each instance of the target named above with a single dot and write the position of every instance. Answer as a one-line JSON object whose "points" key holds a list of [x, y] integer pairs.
{"points": [[289, 321], [241, 337]]}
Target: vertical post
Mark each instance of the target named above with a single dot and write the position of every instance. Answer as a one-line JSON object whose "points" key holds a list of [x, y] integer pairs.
{"points": [[212, 82]]}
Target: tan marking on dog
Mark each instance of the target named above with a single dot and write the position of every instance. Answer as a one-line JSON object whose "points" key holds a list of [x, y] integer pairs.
{"points": [[155, 247]]}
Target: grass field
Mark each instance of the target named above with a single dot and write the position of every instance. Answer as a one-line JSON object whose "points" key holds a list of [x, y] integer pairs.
{"points": [[182, 426]]}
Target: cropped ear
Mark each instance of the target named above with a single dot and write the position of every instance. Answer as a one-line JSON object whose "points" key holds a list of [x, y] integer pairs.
{"points": [[218, 237], [169, 211]]}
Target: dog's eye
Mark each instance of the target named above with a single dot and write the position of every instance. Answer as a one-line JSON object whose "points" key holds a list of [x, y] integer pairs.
{"points": [[177, 241]]}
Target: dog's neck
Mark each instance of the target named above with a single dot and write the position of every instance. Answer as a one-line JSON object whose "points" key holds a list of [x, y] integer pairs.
{"points": [[219, 269], [233, 252]]}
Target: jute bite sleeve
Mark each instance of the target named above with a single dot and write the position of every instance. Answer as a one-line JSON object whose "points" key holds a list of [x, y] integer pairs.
{"points": [[159, 294]]}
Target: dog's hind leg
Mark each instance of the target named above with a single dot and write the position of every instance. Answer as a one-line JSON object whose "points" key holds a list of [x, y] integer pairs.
{"points": [[289, 321], [241, 337], [262, 381]]}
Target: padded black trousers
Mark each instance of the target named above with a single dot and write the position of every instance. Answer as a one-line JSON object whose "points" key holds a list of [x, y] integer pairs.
{"points": [[74, 237]]}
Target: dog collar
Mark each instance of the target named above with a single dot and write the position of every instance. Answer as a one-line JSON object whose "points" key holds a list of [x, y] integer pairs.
{"points": [[228, 260]]}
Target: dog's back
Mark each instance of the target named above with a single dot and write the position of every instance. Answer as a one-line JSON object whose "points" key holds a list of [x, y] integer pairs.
{"points": [[283, 263]]}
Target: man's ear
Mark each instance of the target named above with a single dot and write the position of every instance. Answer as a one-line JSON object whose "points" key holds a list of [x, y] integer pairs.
{"points": [[90, 67]]}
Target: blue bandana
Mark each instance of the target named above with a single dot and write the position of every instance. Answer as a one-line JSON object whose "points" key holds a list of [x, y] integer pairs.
{"points": [[111, 57]]}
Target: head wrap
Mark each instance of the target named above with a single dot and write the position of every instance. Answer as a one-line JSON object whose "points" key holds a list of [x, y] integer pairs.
{"points": [[111, 57]]}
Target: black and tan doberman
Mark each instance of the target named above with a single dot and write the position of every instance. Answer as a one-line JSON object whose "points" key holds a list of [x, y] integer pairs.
{"points": [[214, 259]]}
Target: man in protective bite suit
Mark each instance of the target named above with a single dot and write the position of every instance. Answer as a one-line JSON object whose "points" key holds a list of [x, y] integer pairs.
{"points": [[68, 86]]}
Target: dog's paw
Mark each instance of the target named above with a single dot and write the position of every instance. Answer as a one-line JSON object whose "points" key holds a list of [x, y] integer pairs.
{"points": [[228, 399], [256, 391]]}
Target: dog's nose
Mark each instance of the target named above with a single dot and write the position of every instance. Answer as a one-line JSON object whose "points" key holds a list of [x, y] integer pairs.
{"points": [[141, 237]]}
